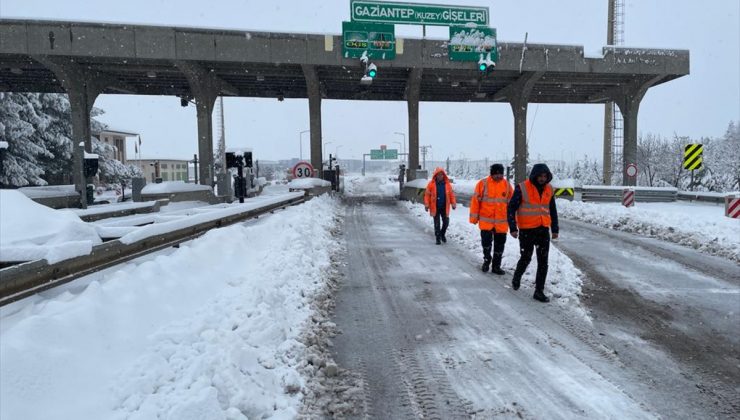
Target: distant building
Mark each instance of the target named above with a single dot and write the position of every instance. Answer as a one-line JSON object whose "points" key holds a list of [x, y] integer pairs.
{"points": [[116, 138], [169, 169]]}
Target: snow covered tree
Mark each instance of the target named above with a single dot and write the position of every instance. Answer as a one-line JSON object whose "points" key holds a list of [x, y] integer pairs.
{"points": [[22, 162]]}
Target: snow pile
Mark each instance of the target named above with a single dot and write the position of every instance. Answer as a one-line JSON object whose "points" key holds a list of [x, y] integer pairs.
{"points": [[221, 328], [372, 185], [417, 183], [305, 183], [697, 225], [49, 191], [465, 186], [564, 280], [173, 187], [31, 231]]}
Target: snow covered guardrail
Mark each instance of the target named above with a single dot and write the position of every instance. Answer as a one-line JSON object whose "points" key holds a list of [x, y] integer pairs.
{"points": [[709, 197], [25, 279], [598, 193]]}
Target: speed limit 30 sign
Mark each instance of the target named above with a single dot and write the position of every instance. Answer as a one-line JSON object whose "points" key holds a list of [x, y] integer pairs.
{"points": [[303, 170], [632, 170]]}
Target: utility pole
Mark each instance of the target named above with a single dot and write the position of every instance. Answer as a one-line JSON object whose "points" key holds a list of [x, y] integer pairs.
{"points": [[424, 156], [613, 136]]}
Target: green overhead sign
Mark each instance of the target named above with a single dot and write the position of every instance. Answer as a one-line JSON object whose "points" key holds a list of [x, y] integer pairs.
{"points": [[383, 154], [378, 40], [468, 44], [417, 14]]}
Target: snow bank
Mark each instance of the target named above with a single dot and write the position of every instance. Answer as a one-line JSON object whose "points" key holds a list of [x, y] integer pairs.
{"points": [[465, 186], [31, 231], [49, 191], [696, 225], [417, 183], [211, 331], [173, 187], [564, 280], [372, 185], [304, 183]]}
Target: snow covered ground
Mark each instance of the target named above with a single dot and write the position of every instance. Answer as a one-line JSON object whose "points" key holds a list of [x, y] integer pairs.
{"points": [[213, 330], [30, 231], [372, 185], [564, 280], [697, 225]]}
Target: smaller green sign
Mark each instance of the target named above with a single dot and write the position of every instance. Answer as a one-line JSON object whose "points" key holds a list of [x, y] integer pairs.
{"points": [[469, 44], [383, 154], [377, 154], [377, 40]]}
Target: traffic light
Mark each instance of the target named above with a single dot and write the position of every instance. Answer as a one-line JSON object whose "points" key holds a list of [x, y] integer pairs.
{"points": [[372, 70], [485, 64]]}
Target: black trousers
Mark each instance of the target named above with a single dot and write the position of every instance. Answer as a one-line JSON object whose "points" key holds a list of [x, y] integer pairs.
{"points": [[530, 240], [441, 214], [490, 237]]}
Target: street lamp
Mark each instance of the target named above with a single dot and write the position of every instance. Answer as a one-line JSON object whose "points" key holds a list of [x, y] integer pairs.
{"points": [[300, 141], [403, 148], [323, 148], [400, 145]]}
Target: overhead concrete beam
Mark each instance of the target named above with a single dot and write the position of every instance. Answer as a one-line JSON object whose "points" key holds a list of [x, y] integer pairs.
{"points": [[313, 92]]}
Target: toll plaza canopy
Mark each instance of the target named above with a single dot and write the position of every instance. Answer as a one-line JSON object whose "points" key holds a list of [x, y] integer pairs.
{"points": [[88, 59]]}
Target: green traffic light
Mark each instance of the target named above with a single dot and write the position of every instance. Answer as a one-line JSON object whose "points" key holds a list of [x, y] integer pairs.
{"points": [[372, 73], [482, 67]]}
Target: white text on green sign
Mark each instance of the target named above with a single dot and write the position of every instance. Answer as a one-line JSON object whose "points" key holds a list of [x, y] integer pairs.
{"points": [[380, 154], [378, 40], [468, 44], [417, 14]]}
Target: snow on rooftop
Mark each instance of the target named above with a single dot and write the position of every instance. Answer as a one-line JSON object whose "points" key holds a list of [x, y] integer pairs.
{"points": [[32, 231]]}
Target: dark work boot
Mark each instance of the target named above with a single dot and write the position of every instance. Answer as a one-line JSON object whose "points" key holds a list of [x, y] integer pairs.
{"points": [[540, 296], [486, 259], [516, 281], [443, 238], [497, 257], [439, 242]]}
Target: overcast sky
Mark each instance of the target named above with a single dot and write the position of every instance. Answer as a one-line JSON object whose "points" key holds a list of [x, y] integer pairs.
{"points": [[701, 104]]}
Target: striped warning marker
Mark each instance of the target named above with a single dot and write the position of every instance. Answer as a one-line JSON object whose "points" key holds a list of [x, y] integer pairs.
{"points": [[628, 198], [732, 207], [563, 191], [692, 156]]}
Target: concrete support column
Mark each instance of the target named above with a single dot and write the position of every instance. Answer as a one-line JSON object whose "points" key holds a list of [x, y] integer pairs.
{"points": [[82, 87], [205, 87], [608, 142], [313, 92], [519, 108], [628, 101], [413, 93], [517, 95]]}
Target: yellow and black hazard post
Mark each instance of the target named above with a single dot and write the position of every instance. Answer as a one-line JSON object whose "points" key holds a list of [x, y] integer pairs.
{"points": [[693, 159], [566, 193], [692, 156]]}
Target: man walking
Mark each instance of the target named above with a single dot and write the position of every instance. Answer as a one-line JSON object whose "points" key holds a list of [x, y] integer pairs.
{"points": [[533, 209], [488, 208], [438, 197]]}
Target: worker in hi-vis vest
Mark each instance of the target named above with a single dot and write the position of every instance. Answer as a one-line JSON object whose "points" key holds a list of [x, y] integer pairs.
{"points": [[532, 215], [488, 208]]}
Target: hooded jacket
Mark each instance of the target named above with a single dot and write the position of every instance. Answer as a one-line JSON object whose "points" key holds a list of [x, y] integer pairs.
{"points": [[516, 199], [430, 194]]}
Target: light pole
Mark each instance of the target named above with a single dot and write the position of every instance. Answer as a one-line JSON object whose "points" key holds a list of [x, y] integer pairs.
{"points": [[323, 148], [300, 141], [403, 147]]}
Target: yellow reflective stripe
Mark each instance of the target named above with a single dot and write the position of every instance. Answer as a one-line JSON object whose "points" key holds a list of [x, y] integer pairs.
{"points": [[494, 200], [474, 215], [525, 194]]}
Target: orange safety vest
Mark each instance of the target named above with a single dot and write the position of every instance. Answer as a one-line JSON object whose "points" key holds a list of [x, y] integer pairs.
{"points": [[488, 204], [534, 210], [430, 194]]}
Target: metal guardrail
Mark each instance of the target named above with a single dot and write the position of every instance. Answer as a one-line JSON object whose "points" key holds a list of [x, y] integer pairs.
{"points": [[703, 197], [28, 278], [614, 194]]}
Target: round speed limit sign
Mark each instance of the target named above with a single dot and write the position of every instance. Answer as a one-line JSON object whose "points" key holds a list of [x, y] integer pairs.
{"points": [[303, 170], [632, 170]]}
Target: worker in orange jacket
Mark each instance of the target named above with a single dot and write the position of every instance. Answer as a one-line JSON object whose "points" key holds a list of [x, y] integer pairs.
{"points": [[488, 210], [532, 215], [438, 198]]}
